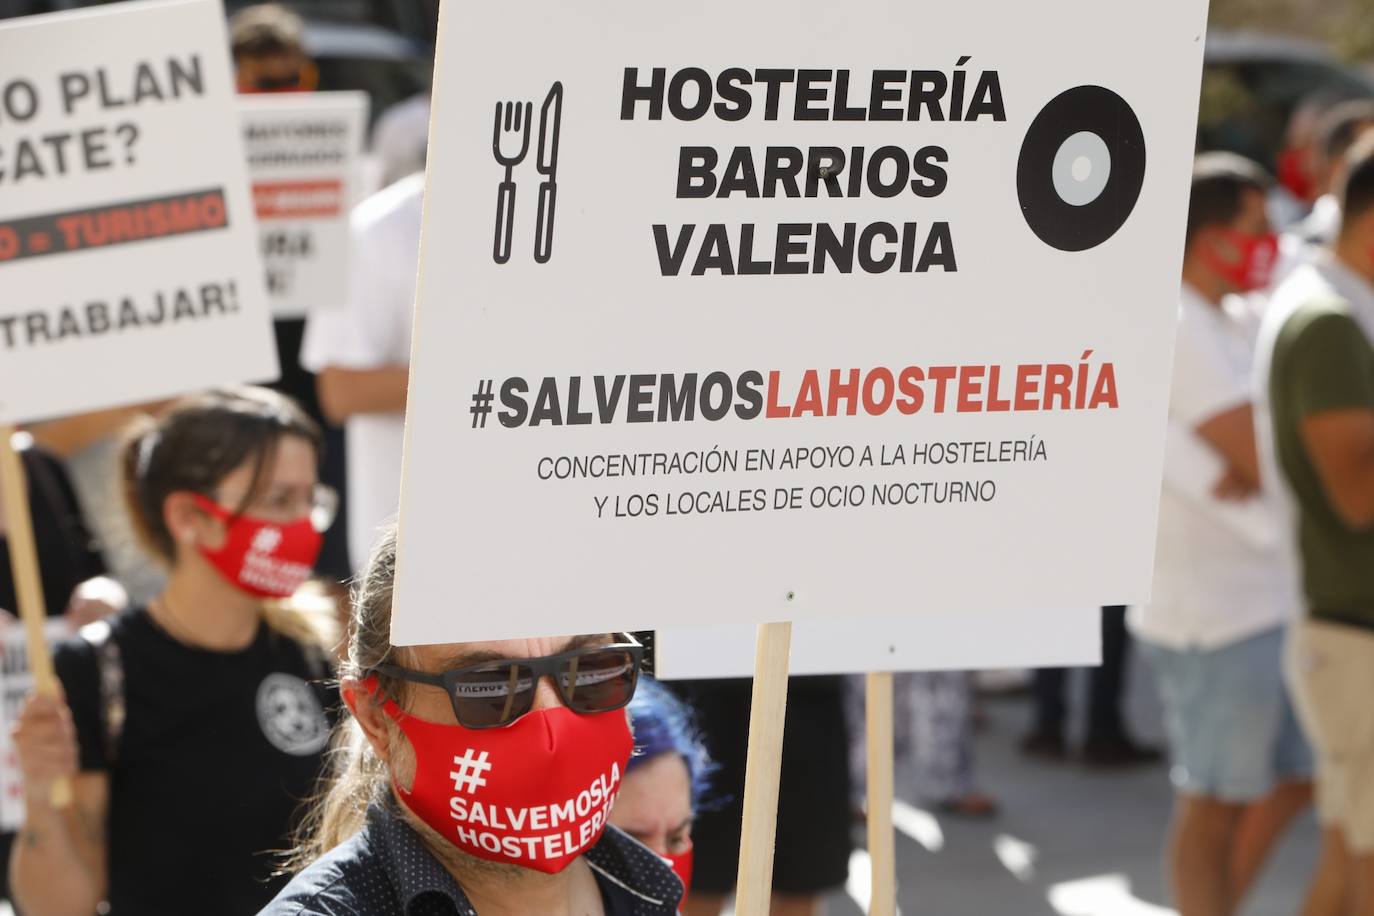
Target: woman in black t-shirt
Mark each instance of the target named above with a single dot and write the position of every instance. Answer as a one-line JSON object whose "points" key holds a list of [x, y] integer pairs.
{"points": [[191, 728]]}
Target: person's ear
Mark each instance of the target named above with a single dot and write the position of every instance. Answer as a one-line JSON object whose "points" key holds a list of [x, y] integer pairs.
{"points": [[189, 524], [367, 709]]}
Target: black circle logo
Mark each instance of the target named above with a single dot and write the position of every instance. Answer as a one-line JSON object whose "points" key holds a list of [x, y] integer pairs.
{"points": [[1081, 168]]}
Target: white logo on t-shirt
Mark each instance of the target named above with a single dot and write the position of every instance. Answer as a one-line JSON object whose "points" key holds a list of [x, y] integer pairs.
{"points": [[290, 715]]}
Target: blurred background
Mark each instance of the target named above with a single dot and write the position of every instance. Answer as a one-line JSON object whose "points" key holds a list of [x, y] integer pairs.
{"points": [[1067, 839], [1264, 58]]}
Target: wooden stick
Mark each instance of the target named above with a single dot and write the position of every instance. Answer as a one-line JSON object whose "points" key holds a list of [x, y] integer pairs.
{"points": [[762, 769], [28, 583], [881, 841]]}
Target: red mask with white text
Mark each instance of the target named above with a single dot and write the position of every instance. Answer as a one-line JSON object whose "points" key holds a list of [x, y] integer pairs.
{"points": [[535, 793], [1254, 268], [265, 559]]}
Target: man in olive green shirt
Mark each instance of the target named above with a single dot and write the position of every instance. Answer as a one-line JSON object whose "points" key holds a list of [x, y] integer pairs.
{"points": [[1316, 372]]}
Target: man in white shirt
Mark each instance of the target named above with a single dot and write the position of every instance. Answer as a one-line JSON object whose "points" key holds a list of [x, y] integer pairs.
{"points": [[1338, 131], [361, 353], [1225, 582]]}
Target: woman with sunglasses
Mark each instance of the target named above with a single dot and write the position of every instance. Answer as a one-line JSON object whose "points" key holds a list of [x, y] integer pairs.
{"points": [[476, 778], [190, 729]]}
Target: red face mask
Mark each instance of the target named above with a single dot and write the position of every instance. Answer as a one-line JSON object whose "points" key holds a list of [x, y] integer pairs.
{"points": [[682, 867], [535, 793], [1293, 172], [265, 559], [305, 79], [269, 88], [1254, 267]]}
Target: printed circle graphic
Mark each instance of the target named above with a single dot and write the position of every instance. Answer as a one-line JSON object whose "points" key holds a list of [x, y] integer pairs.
{"points": [[1081, 168], [290, 715]]}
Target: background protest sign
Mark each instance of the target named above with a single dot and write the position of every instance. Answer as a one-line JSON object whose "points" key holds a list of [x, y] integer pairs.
{"points": [[16, 682], [929, 641], [127, 240], [303, 158], [784, 311]]}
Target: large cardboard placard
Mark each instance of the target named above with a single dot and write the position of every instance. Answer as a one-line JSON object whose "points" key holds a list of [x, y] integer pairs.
{"points": [[303, 158], [929, 641], [791, 310], [127, 241]]}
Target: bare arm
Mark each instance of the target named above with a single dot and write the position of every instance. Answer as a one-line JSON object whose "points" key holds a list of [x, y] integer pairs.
{"points": [[346, 393], [1341, 446], [57, 867], [58, 864], [69, 435], [1232, 433]]}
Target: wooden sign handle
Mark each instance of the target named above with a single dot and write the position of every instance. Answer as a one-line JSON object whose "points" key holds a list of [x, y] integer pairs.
{"points": [[28, 584], [762, 769], [878, 714]]}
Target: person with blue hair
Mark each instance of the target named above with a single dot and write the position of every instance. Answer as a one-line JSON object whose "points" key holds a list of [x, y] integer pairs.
{"points": [[665, 779]]}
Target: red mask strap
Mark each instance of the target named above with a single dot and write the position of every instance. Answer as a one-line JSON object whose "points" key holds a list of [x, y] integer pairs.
{"points": [[214, 508], [374, 688], [373, 685]]}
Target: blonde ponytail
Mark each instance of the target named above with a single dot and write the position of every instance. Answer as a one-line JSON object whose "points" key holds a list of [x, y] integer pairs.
{"points": [[309, 617], [357, 778]]}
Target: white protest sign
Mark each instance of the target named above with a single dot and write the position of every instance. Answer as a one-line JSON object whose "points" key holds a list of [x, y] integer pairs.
{"points": [[16, 682], [303, 158], [927, 641], [792, 310], [127, 241]]}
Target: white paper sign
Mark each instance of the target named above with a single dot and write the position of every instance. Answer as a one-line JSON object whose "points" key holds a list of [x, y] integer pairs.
{"points": [[792, 310], [303, 158], [16, 682], [128, 258], [927, 641]]}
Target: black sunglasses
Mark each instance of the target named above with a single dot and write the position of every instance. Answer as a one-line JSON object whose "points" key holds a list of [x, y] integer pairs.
{"points": [[279, 83], [493, 694]]}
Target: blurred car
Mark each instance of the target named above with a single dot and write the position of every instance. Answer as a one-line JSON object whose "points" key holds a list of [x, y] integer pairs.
{"points": [[383, 47], [388, 66], [414, 19], [1251, 83]]}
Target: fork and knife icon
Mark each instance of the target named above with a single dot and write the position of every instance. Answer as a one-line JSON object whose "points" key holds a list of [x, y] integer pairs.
{"points": [[510, 144]]}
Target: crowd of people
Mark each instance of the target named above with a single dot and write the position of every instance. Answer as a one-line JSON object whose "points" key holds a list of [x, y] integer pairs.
{"points": [[1258, 627], [240, 736]]}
